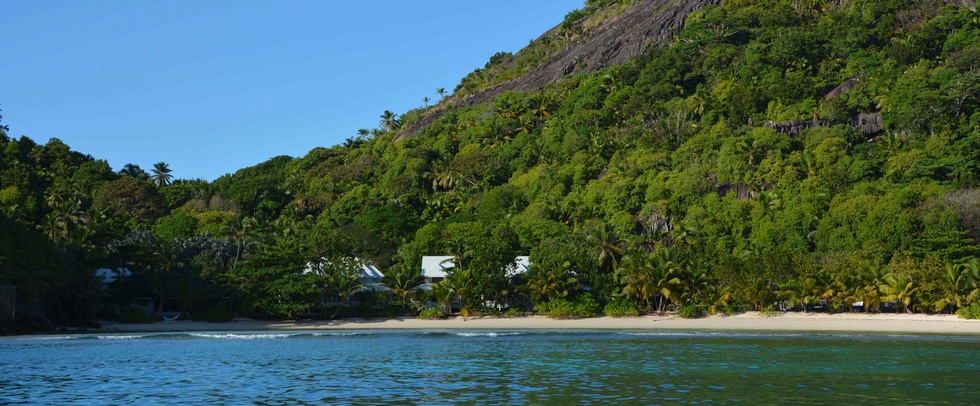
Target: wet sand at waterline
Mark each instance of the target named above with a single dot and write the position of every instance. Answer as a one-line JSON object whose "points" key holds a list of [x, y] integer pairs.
{"points": [[750, 321]]}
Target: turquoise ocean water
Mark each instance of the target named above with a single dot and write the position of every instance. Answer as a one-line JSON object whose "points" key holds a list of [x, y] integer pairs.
{"points": [[488, 367]]}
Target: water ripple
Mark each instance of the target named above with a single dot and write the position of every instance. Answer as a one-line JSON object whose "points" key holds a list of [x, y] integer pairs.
{"points": [[484, 367]]}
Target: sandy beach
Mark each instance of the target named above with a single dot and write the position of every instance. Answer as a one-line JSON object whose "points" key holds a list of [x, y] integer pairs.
{"points": [[751, 321]]}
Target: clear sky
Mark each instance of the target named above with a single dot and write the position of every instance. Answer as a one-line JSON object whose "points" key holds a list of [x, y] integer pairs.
{"points": [[210, 87]]}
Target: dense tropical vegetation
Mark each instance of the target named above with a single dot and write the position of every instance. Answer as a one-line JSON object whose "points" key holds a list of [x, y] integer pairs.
{"points": [[652, 184]]}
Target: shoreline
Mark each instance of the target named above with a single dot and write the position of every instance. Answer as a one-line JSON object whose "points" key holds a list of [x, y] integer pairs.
{"points": [[745, 322]]}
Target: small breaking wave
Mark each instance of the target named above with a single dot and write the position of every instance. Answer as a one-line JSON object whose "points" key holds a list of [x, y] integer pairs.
{"points": [[241, 336], [486, 334], [41, 338], [121, 337], [340, 334]]}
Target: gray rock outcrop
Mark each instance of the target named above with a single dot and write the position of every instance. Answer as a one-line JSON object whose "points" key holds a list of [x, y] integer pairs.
{"points": [[623, 37]]}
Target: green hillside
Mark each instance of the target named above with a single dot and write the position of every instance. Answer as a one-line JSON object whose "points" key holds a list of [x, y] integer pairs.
{"points": [[728, 171]]}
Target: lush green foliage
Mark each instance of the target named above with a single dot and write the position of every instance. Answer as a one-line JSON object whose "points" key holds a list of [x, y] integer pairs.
{"points": [[622, 308], [653, 181], [581, 306], [970, 312], [691, 311], [768, 311], [132, 315], [431, 314]]}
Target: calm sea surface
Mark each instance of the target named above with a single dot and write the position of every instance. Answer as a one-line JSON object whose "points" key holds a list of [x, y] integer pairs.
{"points": [[491, 367]]}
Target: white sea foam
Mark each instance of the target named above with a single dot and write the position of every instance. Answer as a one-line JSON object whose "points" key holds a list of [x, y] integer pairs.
{"points": [[240, 336], [665, 334], [47, 337], [121, 337], [336, 334], [486, 334]]}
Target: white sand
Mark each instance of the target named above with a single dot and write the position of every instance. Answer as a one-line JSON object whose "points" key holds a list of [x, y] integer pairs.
{"points": [[751, 321]]}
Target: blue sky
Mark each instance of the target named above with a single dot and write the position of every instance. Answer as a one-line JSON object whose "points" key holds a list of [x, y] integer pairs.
{"points": [[210, 87]]}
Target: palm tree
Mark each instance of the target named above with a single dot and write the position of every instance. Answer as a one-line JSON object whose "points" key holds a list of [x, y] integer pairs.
{"points": [[665, 277], [953, 281], [683, 235], [871, 277], [971, 279], [363, 134], [344, 278], [756, 291], [65, 220], [810, 161], [50, 227], [389, 121], [463, 282], [461, 278], [460, 250], [443, 293], [634, 277], [425, 102], [162, 276], [547, 283], [900, 289], [715, 297], [444, 178], [827, 288], [751, 149], [696, 280], [442, 93], [608, 244], [802, 291], [241, 232], [161, 174], [72, 217], [134, 171], [402, 280]]}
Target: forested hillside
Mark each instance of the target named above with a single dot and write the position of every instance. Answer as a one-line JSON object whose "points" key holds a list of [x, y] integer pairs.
{"points": [[822, 151]]}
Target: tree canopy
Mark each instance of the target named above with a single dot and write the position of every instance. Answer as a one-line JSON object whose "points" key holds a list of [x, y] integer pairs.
{"points": [[799, 152]]}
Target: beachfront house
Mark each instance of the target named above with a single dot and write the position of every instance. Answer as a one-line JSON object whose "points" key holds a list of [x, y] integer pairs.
{"points": [[521, 265], [434, 268], [370, 277], [109, 276]]}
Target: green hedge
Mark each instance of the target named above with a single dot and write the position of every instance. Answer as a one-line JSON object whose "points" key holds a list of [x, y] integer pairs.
{"points": [[970, 312], [622, 308], [132, 315], [691, 311], [431, 314], [579, 307]]}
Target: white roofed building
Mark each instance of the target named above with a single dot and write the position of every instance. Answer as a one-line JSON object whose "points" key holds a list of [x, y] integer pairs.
{"points": [[434, 267], [370, 275], [520, 265]]}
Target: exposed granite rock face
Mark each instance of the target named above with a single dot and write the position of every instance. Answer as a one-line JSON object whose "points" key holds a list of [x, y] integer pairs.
{"points": [[867, 123], [648, 23], [793, 127], [651, 22], [843, 88]]}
